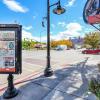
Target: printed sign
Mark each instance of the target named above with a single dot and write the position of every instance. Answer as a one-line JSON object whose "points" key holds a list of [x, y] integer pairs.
{"points": [[10, 49], [7, 49]]}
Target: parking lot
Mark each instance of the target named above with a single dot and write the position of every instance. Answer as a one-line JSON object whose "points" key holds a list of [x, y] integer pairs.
{"points": [[34, 61]]}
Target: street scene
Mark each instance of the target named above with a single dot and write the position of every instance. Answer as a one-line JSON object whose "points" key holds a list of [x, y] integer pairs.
{"points": [[50, 50]]}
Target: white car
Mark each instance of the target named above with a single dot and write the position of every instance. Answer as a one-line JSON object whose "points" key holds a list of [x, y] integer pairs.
{"points": [[61, 47]]}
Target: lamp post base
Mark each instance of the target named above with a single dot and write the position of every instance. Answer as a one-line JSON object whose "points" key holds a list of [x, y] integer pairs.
{"points": [[10, 93], [48, 72]]}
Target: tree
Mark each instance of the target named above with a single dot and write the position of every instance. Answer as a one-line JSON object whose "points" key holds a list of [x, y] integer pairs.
{"points": [[68, 43], [28, 44], [92, 39]]}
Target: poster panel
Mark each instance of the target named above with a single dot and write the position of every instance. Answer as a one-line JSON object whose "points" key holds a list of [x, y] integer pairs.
{"points": [[10, 52]]}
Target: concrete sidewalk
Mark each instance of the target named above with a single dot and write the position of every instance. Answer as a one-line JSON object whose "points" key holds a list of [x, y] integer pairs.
{"points": [[70, 83]]}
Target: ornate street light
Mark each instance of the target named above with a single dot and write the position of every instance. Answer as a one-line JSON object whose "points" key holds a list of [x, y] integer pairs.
{"points": [[59, 10]]}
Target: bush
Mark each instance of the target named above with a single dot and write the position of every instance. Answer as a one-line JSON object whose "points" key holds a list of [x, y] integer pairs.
{"points": [[94, 87]]}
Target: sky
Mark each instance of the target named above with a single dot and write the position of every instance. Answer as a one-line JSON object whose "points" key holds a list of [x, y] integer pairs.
{"points": [[30, 13]]}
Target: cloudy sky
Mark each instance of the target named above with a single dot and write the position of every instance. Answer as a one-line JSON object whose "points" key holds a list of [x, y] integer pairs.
{"points": [[30, 13]]}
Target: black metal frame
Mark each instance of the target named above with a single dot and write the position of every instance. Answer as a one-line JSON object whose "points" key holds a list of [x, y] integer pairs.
{"points": [[95, 27], [48, 71], [18, 46], [11, 91]]}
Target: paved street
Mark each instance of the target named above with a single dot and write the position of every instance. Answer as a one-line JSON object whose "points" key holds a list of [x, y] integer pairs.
{"points": [[57, 57], [34, 63]]}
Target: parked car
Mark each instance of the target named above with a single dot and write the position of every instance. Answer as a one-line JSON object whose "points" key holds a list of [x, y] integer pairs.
{"points": [[37, 46], [91, 51], [61, 47], [40, 46]]}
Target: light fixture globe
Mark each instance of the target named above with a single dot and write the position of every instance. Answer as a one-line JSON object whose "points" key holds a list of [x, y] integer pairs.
{"points": [[59, 10]]}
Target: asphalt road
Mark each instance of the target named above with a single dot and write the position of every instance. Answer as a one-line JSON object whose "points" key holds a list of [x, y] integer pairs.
{"points": [[58, 57]]}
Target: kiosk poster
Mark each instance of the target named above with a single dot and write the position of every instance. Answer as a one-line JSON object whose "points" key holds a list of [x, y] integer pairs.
{"points": [[8, 49]]}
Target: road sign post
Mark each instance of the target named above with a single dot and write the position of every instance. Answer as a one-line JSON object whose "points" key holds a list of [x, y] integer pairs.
{"points": [[10, 55]]}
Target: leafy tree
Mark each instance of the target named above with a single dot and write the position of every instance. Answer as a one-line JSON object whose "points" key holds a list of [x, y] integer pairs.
{"points": [[61, 42], [28, 44], [92, 39]]}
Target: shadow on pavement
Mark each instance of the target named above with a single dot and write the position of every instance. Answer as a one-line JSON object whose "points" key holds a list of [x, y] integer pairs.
{"points": [[66, 84]]}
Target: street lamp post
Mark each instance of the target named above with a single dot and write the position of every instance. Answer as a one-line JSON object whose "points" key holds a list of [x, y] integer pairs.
{"points": [[48, 71]]}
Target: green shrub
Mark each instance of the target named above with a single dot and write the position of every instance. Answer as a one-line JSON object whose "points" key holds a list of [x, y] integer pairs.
{"points": [[94, 87]]}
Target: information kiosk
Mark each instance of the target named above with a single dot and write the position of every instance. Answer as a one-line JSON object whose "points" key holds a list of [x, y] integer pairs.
{"points": [[10, 55]]}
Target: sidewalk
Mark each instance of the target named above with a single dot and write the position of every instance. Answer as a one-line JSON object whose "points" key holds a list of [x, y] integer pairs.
{"points": [[69, 83]]}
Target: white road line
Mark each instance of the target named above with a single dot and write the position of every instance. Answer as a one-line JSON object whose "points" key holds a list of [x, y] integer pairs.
{"points": [[32, 64]]}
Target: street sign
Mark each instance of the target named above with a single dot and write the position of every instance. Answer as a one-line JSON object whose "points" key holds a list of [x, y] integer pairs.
{"points": [[91, 13], [94, 19], [10, 49]]}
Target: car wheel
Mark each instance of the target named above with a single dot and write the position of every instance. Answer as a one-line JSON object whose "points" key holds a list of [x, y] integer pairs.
{"points": [[84, 52], [98, 53]]}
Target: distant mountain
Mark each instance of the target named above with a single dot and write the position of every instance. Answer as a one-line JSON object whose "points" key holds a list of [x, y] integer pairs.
{"points": [[78, 40]]}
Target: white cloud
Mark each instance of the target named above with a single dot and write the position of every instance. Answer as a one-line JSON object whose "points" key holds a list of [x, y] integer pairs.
{"points": [[57, 37], [62, 24], [67, 34], [74, 27], [15, 6], [70, 3], [26, 34], [27, 27], [72, 30]]}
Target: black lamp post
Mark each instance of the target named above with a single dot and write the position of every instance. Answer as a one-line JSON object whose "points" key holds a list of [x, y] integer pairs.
{"points": [[59, 10]]}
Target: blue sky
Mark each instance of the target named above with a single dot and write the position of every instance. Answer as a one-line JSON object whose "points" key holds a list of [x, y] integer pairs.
{"points": [[30, 13]]}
